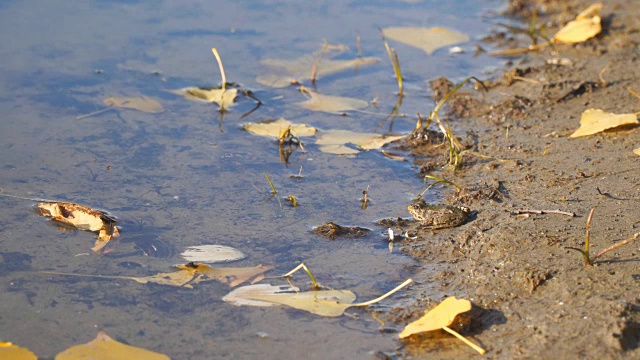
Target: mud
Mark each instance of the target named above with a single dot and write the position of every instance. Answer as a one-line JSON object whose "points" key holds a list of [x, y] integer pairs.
{"points": [[533, 297]]}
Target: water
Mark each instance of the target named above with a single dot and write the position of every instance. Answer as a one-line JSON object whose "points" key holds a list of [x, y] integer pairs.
{"points": [[183, 179]]}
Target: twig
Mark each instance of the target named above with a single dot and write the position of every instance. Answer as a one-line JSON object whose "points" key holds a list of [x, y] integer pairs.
{"points": [[542, 212], [531, 81], [473, 346], [95, 113], [602, 80]]}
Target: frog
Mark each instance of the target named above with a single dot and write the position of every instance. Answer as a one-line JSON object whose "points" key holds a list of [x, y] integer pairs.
{"points": [[439, 216]]}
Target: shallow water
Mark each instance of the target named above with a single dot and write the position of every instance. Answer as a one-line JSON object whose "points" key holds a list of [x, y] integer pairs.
{"points": [[182, 178]]}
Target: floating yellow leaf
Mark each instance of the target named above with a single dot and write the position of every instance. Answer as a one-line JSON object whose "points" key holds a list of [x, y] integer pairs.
{"points": [[143, 103], [223, 97], [441, 317], [275, 128], [83, 218], [334, 141], [14, 352], [104, 347], [189, 274], [331, 303], [330, 104], [594, 121], [289, 72], [585, 26], [427, 39], [212, 254]]}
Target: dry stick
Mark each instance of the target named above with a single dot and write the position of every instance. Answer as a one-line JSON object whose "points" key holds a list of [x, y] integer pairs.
{"points": [[602, 80], [407, 282], [474, 346], [531, 81], [94, 113], [587, 260], [542, 212], [615, 246], [224, 77], [633, 92]]}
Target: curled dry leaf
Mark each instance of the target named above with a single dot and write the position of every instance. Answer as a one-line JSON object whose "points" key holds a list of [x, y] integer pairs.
{"points": [[334, 141], [225, 98], [142, 103], [14, 352], [81, 217], [104, 347], [212, 254], [585, 26], [275, 128], [594, 121], [330, 104], [427, 39]]}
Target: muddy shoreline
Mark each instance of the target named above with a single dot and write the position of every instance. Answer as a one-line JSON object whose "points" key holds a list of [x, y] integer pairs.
{"points": [[533, 297]]}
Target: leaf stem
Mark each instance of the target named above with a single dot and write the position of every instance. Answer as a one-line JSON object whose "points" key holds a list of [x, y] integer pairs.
{"points": [[407, 282], [465, 340]]}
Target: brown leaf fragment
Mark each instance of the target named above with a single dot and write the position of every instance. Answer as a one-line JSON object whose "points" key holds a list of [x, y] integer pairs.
{"points": [[81, 217]]}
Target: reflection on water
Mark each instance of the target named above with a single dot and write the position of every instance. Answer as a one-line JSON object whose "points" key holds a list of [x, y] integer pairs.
{"points": [[179, 178]]}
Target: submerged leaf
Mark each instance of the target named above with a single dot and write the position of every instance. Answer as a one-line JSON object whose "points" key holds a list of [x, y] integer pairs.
{"points": [[329, 303], [294, 71], [330, 104], [81, 217], [14, 352], [427, 39], [334, 141], [225, 98], [143, 103], [104, 347], [212, 254], [594, 121], [190, 274], [275, 128], [242, 295]]}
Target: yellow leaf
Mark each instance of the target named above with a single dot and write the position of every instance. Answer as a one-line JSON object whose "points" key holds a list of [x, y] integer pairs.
{"points": [[330, 104], [594, 121], [14, 352], [439, 318], [637, 151], [275, 128], [105, 348], [242, 295], [143, 103], [427, 39], [334, 141], [579, 30], [225, 98]]}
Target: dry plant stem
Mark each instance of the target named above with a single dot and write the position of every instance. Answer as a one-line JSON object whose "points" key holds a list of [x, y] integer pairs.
{"points": [[224, 77], [473, 346], [633, 92], [303, 266], [396, 289], [542, 212], [601, 75], [94, 113], [531, 81], [519, 51], [587, 260], [615, 246], [393, 56]]}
